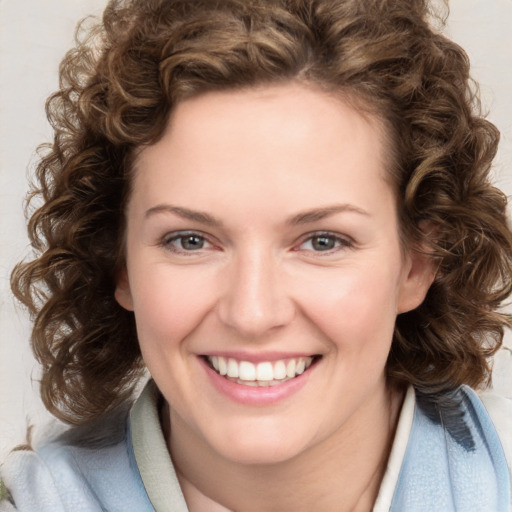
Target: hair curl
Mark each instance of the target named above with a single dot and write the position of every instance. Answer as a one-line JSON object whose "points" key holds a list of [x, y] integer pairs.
{"points": [[117, 89]]}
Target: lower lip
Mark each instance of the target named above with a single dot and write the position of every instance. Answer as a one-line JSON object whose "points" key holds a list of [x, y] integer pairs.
{"points": [[256, 396]]}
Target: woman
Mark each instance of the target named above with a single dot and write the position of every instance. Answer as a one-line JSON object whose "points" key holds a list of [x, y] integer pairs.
{"points": [[281, 209]]}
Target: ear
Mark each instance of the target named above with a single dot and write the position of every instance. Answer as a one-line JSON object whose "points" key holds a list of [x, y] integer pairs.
{"points": [[123, 292], [420, 269]]}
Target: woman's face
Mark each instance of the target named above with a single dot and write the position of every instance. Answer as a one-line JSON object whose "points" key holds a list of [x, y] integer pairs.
{"points": [[262, 240]]}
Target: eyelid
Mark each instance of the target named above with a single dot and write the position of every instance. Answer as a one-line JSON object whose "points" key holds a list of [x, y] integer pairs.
{"points": [[168, 238], [347, 242]]}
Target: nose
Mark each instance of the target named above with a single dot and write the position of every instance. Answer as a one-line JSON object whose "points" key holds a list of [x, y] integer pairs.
{"points": [[255, 300]]}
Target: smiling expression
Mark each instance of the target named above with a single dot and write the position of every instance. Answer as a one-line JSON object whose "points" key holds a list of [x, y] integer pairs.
{"points": [[265, 269]]}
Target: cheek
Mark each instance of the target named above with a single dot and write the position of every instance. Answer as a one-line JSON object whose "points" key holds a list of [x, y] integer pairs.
{"points": [[354, 308], [169, 304]]}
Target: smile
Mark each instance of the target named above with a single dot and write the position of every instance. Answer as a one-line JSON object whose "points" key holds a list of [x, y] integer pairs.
{"points": [[262, 374]]}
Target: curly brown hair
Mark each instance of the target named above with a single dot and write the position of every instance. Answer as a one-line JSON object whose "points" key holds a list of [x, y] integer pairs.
{"points": [[118, 87]]}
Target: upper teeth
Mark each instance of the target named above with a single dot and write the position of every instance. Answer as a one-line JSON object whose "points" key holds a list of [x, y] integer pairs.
{"points": [[264, 371]]}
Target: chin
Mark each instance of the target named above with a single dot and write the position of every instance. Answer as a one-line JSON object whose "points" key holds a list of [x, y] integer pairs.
{"points": [[251, 446], [260, 454]]}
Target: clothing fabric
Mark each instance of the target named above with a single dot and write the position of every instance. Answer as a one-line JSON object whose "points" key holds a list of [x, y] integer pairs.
{"points": [[454, 460], [446, 456]]}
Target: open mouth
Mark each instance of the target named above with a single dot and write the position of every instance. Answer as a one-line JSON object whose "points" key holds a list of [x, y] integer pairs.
{"points": [[263, 374]]}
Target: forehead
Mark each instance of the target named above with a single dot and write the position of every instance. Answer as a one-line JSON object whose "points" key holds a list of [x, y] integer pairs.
{"points": [[264, 142], [300, 110]]}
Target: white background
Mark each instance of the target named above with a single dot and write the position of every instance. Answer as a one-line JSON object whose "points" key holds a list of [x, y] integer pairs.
{"points": [[34, 34]]}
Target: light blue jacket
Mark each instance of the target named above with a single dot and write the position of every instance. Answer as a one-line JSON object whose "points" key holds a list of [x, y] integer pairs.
{"points": [[454, 462]]}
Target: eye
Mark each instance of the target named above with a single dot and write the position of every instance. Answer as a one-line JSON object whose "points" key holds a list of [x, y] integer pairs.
{"points": [[185, 242], [324, 242]]}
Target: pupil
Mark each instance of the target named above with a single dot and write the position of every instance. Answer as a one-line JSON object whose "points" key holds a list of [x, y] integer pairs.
{"points": [[323, 243], [192, 242]]}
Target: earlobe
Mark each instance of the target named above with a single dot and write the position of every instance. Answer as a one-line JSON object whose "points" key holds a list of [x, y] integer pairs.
{"points": [[123, 292]]}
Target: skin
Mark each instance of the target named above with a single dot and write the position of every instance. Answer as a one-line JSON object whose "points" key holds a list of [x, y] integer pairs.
{"points": [[253, 160]]}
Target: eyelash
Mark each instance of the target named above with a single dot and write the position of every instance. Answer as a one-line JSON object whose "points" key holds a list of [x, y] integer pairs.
{"points": [[340, 242], [182, 235]]}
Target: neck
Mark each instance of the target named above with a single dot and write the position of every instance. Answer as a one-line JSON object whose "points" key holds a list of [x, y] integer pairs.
{"points": [[342, 473]]}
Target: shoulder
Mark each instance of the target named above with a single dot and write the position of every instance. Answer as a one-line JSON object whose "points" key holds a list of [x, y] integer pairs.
{"points": [[30, 480], [88, 468], [499, 409], [20, 472], [454, 458]]}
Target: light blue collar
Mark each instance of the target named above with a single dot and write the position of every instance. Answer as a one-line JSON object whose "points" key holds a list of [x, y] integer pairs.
{"points": [[454, 459]]}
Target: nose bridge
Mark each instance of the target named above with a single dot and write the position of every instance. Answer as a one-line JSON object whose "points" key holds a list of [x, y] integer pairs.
{"points": [[255, 299]]}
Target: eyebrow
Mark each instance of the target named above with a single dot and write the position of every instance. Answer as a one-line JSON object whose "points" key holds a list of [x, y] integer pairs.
{"points": [[306, 217], [185, 213], [317, 214]]}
